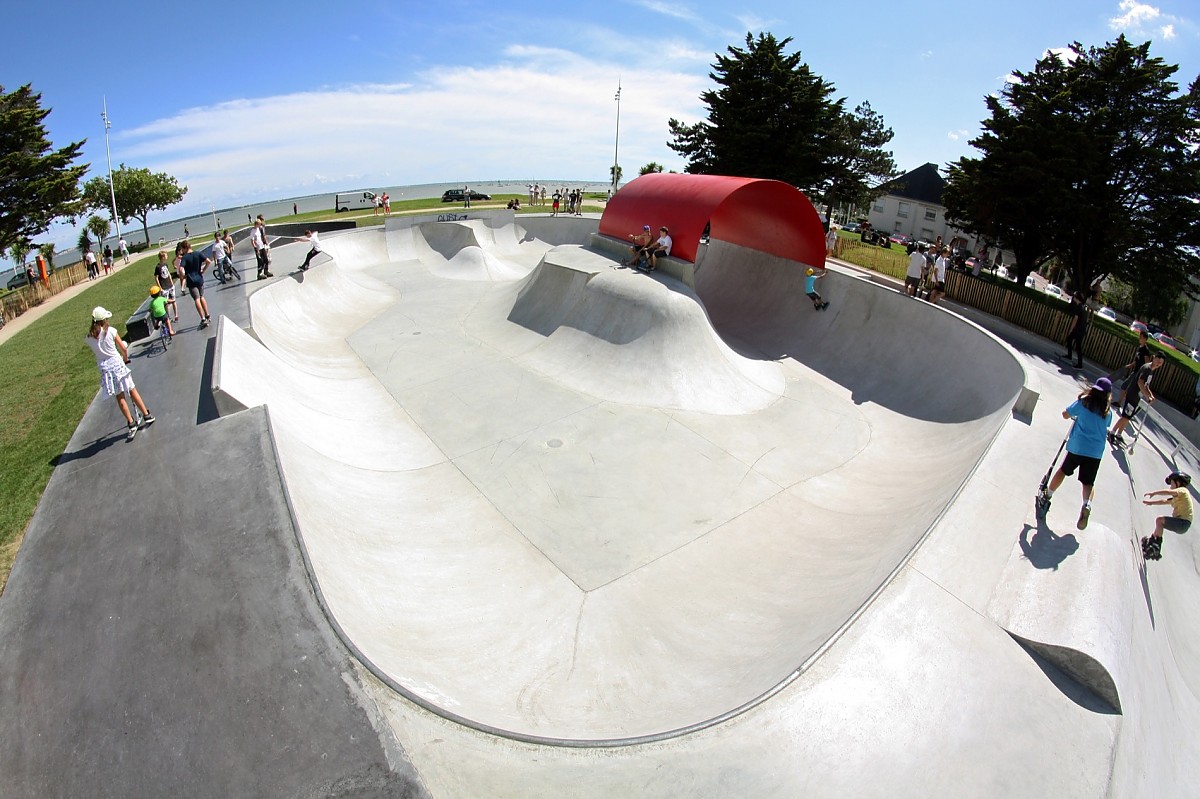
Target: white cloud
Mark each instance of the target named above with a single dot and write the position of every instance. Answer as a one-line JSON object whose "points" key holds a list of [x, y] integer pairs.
{"points": [[546, 114], [1143, 20], [958, 135]]}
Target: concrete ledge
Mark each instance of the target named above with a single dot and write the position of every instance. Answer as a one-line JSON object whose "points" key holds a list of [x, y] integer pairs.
{"points": [[226, 403], [137, 327], [1060, 596]]}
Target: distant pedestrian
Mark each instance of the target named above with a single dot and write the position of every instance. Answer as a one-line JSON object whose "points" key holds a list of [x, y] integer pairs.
{"points": [[1085, 446], [123, 246], [916, 269], [112, 358], [810, 288], [554, 201], [108, 259], [542, 194], [295, 210], [937, 287], [1078, 329], [1180, 520], [387, 203], [187, 234], [89, 258], [831, 239], [466, 196], [531, 190]]}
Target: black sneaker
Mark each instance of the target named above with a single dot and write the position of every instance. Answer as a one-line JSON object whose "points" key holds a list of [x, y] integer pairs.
{"points": [[147, 420], [133, 428]]}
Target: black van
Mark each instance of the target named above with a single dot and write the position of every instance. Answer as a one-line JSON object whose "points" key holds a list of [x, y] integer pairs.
{"points": [[456, 196]]}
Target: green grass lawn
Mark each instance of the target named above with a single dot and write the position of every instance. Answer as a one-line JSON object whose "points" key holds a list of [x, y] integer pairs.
{"points": [[48, 380]]}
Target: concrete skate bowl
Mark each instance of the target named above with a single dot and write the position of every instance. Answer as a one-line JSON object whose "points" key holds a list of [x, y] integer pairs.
{"points": [[555, 532]]}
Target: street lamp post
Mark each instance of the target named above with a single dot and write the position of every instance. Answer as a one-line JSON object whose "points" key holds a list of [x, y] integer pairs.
{"points": [[111, 190], [617, 141]]}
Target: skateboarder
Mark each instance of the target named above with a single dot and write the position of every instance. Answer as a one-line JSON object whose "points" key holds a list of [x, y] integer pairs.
{"points": [[1085, 446], [810, 288], [1180, 520]]}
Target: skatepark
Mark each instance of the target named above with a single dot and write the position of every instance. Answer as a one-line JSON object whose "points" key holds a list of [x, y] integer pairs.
{"points": [[544, 525]]}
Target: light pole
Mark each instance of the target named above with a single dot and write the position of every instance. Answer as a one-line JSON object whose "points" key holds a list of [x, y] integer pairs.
{"points": [[617, 141], [111, 191]]}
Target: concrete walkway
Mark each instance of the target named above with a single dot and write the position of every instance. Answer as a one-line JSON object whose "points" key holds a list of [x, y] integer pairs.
{"points": [[178, 631]]}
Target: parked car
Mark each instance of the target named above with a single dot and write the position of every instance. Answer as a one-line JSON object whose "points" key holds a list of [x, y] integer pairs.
{"points": [[456, 196], [1055, 291], [850, 227], [900, 238], [1003, 273], [1107, 313], [1139, 327], [17, 280]]}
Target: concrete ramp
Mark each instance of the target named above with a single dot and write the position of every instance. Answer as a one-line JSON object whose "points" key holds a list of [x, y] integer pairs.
{"points": [[631, 341], [600, 521], [882, 346]]}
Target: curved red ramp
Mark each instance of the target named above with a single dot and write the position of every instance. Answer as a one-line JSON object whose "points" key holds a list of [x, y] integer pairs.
{"points": [[765, 215]]}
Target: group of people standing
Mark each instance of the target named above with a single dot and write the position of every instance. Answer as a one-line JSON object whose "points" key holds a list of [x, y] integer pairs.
{"points": [[927, 266]]}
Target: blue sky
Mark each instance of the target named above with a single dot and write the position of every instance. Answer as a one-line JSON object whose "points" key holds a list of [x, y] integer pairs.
{"points": [[245, 102]]}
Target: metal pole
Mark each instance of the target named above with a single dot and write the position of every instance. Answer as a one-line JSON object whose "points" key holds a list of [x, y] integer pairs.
{"points": [[111, 191], [617, 141]]}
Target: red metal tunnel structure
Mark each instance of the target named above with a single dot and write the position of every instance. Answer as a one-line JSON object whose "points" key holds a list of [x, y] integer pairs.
{"points": [[765, 215]]}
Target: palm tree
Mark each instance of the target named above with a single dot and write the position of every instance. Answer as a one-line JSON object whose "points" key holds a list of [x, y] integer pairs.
{"points": [[47, 251], [99, 227]]}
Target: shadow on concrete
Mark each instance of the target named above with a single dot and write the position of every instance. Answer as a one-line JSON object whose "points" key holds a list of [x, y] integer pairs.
{"points": [[1069, 687], [206, 404], [88, 450], [1144, 579], [1046, 549]]}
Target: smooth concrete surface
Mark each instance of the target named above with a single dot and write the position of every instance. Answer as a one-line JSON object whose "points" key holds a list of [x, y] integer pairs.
{"points": [[635, 528], [158, 632], [920, 692]]}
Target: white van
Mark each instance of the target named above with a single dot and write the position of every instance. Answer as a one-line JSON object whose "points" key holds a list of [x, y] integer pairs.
{"points": [[352, 200]]}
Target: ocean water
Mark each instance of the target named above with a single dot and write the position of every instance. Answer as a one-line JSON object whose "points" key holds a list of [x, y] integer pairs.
{"points": [[237, 217]]}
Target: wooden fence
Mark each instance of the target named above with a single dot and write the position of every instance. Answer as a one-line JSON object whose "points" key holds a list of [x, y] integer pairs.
{"points": [[22, 299], [1109, 345]]}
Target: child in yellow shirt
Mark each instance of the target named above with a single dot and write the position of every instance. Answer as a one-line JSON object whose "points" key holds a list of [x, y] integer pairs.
{"points": [[1180, 520]]}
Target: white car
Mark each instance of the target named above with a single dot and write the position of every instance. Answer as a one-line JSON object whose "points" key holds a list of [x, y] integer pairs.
{"points": [[1107, 313], [1055, 291]]}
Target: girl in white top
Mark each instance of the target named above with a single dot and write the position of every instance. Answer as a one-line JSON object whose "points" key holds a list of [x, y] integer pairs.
{"points": [[940, 264], [112, 357]]}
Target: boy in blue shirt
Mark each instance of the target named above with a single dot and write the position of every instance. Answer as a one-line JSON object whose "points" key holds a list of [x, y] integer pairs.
{"points": [[810, 288]]}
